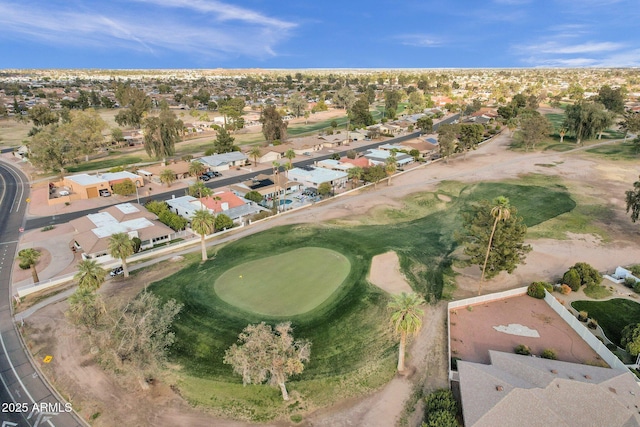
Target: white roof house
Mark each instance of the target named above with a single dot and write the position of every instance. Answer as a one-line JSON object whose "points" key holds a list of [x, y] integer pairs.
{"points": [[185, 206], [220, 162], [379, 157], [313, 177], [86, 179], [335, 165]]}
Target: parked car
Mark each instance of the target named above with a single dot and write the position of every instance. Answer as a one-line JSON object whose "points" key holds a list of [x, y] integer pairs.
{"points": [[116, 271], [204, 178], [212, 174], [105, 193], [63, 193]]}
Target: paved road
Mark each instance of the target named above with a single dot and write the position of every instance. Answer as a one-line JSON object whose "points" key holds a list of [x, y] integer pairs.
{"points": [[21, 385], [40, 222]]}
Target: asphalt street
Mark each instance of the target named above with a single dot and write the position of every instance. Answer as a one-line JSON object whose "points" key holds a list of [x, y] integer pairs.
{"points": [[40, 222], [26, 399]]}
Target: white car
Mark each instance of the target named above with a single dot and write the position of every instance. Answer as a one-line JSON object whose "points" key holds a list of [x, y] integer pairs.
{"points": [[63, 193]]}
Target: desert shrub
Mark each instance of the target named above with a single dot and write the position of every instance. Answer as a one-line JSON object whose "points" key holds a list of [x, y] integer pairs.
{"points": [[172, 220], [635, 270], [536, 290], [441, 400], [592, 324], [223, 222], [629, 282], [441, 419], [137, 243], [116, 169], [522, 349], [588, 275], [351, 154], [565, 289], [48, 227], [296, 418], [583, 316], [549, 354], [254, 196], [572, 279], [156, 207], [124, 188], [636, 287]]}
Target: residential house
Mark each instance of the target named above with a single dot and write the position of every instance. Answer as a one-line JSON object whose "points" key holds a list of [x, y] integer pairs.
{"points": [[309, 176], [266, 185], [531, 391], [85, 186], [224, 161], [336, 165], [308, 144], [426, 146], [362, 162], [92, 232], [117, 177], [379, 157], [225, 202], [180, 170]]}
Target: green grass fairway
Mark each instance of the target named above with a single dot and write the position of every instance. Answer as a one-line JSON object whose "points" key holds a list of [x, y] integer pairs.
{"points": [[353, 348], [286, 284], [612, 315]]}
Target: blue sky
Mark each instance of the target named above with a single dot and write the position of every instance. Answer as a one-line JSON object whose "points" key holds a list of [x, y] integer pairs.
{"points": [[318, 33]]}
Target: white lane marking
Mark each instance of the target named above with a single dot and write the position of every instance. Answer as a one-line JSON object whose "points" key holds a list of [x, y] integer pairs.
{"points": [[13, 368]]}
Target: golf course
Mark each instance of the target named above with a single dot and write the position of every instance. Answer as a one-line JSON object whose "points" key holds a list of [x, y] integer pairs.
{"points": [[316, 277]]}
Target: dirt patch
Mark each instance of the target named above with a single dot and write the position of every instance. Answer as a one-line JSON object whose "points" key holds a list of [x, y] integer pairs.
{"points": [[444, 197], [385, 273], [477, 330]]}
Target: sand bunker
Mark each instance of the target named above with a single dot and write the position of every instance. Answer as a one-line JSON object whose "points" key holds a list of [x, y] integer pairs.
{"points": [[517, 329], [385, 273]]}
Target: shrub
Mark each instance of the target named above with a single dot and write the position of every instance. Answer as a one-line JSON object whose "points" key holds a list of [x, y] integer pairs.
{"points": [[635, 270], [572, 279], [565, 289], [583, 316], [223, 222], [592, 324], [536, 290], [522, 349], [254, 196], [636, 287], [116, 169], [549, 354], [172, 220], [441, 400], [137, 243], [351, 154], [588, 275], [441, 419], [630, 338], [48, 227], [296, 418], [629, 282], [124, 188], [157, 207]]}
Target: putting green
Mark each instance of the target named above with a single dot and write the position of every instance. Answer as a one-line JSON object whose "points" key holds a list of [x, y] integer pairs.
{"points": [[287, 284]]}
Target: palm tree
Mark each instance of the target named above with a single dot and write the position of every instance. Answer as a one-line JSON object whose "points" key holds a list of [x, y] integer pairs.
{"points": [[121, 246], [290, 154], [28, 258], [390, 167], [276, 169], [406, 319], [168, 177], [355, 175], [199, 190], [501, 211], [203, 222], [196, 168], [255, 152], [90, 275]]}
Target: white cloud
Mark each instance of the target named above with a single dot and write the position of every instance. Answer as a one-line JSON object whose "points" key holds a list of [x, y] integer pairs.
{"points": [[251, 34], [420, 40]]}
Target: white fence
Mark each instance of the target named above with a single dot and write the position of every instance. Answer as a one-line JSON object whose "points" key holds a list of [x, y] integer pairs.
{"points": [[585, 334]]}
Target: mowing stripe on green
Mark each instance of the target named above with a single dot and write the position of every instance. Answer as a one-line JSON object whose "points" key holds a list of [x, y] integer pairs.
{"points": [[291, 283]]}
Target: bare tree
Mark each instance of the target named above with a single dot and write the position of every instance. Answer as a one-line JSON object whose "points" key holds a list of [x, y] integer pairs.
{"points": [[266, 354]]}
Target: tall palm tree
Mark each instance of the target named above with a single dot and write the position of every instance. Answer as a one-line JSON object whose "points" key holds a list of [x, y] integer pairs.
{"points": [[168, 177], [90, 275], [203, 222], [29, 258], [255, 152], [355, 175], [406, 318], [276, 169], [290, 155], [196, 168], [121, 246], [501, 211]]}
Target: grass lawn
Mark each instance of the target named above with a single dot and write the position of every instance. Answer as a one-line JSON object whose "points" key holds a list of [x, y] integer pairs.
{"points": [[612, 315], [287, 284], [108, 163], [617, 151], [353, 350]]}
